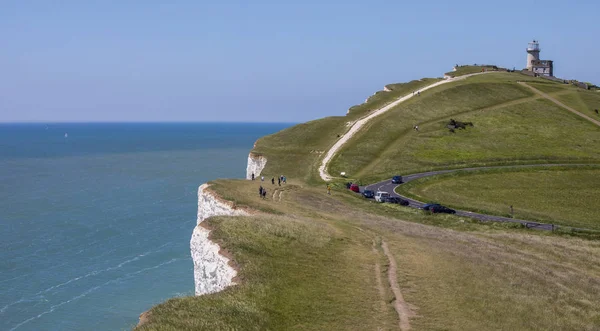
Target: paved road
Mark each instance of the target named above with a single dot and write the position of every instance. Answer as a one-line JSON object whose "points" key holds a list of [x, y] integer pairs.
{"points": [[387, 186]]}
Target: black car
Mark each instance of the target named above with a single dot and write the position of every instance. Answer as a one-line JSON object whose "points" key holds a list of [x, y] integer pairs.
{"points": [[397, 200], [442, 209], [429, 205], [397, 180], [368, 194]]}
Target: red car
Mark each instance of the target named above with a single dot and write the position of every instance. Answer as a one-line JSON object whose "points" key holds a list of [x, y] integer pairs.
{"points": [[354, 188]]}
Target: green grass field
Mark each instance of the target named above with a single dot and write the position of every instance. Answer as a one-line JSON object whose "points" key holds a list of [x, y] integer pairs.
{"points": [[317, 264], [516, 134], [558, 196]]}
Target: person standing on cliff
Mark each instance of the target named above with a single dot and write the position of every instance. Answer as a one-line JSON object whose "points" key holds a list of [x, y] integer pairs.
{"points": [[273, 180], [262, 178], [279, 181], [260, 191], [252, 176], [328, 189], [264, 193], [284, 179]]}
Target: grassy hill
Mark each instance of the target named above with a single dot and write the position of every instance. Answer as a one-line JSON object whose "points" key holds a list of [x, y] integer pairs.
{"points": [[295, 151], [312, 261], [512, 125]]}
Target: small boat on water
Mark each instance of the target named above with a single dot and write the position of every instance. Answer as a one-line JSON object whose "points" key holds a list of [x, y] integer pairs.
{"points": [[66, 135]]}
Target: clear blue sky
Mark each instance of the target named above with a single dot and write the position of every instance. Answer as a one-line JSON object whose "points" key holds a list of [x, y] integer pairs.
{"points": [[262, 61]]}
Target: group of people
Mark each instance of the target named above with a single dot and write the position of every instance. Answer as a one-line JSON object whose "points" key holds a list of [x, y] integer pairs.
{"points": [[280, 179], [262, 192]]}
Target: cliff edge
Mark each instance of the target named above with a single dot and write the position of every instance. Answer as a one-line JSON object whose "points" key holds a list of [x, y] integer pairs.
{"points": [[212, 272], [256, 164]]}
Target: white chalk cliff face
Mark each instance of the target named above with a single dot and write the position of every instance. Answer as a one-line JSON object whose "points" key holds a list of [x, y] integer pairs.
{"points": [[212, 272], [256, 164]]}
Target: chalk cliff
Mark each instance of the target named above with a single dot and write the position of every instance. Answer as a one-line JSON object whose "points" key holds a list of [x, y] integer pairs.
{"points": [[256, 164], [212, 272]]}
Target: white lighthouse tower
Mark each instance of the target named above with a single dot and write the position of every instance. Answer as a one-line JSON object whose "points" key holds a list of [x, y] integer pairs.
{"points": [[533, 54]]}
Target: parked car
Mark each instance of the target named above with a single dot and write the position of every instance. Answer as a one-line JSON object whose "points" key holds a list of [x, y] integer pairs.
{"points": [[397, 200], [442, 209], [397, 180], [355, 188], [368, 194], [380, 196], [429, 205]]}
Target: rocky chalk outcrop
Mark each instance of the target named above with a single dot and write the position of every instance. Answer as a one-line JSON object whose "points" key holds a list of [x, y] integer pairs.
{"points": [[212, 272], [256, 164]]}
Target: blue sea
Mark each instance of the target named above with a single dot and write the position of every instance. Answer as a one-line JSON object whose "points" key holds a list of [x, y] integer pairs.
{"points": [[96, 219]]}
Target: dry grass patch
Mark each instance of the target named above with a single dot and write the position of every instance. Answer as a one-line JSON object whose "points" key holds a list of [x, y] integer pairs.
{"points": [[295, 274], [497, 280]]}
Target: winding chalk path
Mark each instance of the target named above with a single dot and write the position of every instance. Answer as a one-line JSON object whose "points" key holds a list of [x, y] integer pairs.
{"points": [[361, 122], [400, 305], [561, 104]]}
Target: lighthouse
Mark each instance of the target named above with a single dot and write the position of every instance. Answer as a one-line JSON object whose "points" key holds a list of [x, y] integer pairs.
{"points": [[533, 54], [534, 64]]}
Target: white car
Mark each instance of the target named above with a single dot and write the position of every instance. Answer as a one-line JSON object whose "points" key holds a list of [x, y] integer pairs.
{"points": [[380, 196]]}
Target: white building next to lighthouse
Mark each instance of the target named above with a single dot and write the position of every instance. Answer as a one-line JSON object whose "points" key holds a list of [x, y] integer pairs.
{"points": [[534, 64]]}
